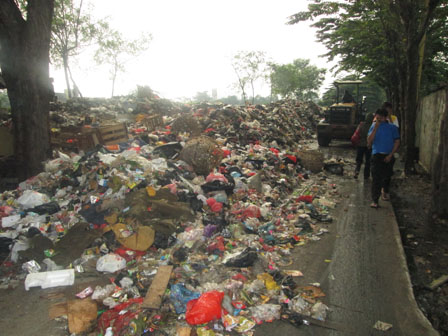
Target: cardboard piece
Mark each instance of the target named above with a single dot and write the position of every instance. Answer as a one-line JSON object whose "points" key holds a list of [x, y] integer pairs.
{"points": [[183, 331], [155, 293], [81, 314], [57, 310], [139, 241]]}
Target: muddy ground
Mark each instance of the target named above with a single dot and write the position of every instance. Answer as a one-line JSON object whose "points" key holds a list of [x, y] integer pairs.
{"points": [[425, 241]]}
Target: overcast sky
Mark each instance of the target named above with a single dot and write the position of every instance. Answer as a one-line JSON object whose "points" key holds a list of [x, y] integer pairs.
{"points": [[193, 44]]}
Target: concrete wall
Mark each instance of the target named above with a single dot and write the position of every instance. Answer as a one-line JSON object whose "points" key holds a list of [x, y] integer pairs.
{"points": [[429, 116]]}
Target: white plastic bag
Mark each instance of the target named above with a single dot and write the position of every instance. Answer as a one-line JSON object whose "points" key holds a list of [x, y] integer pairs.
{"points": [[20, 245], [31, 199], [10, 221], [100, 293], [110, 263]]}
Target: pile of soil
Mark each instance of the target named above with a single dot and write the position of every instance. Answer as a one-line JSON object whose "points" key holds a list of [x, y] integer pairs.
{"points": [[425, 241]]}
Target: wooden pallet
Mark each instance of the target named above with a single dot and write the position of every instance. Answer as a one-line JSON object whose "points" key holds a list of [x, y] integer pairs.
{"points": [[113, 134], [152, 122]]}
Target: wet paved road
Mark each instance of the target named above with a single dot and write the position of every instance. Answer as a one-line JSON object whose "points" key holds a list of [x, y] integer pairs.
{"points": [[367, 277]]}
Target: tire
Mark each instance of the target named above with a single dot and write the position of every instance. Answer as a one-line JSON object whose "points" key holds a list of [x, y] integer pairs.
{"points": [[323, 141]]}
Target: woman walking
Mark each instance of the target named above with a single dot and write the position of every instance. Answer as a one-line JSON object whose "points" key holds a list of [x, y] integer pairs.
{"points": [[363, 152]]}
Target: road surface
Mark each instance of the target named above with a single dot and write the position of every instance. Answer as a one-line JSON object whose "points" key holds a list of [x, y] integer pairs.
{"points": [[367, 279]]}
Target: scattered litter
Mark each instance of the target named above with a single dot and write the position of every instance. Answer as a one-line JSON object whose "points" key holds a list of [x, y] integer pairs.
{"points": [[382, 326], [191, 211]]}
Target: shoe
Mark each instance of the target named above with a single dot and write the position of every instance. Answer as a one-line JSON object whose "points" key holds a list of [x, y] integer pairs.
{"points": [[385, 196], [374, 205]]}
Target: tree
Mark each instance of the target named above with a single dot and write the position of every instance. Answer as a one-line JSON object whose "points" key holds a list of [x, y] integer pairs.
{"points": [[298, 79], [249, 67], [72, 31], [202, 96], [115, 50], [24, 60], [385, 39], [231, 100]]}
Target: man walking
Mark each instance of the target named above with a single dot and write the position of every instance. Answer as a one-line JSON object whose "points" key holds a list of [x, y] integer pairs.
{"points": [[384, 139]]}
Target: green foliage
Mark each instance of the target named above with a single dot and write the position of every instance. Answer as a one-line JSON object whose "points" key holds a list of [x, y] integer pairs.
{"points": [[436, 66], [72, 28], [250, 67], [370, 37], [400, 44], [115, 50], [298, 79]]}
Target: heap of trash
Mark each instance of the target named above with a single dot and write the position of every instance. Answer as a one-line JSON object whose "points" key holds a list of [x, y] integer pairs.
{"points": [[195, 221]]}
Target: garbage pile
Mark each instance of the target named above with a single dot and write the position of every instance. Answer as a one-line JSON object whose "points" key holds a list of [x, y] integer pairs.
{"points": [[87, 111], [283, 123], [195, 231]]}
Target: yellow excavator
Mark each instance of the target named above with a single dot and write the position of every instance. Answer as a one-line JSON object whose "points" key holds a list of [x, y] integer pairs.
{"points": [[341, 118]]}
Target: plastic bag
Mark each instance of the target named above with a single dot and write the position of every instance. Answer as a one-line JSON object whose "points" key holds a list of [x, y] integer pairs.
{"points": [[180, 296], [216, 177], [266, 312], [244, 259], [356, 137], [46, 208], [299, 305], [110, 263], [31, 199], [53, 165], [51, 265], [252, 211], [100, 293], [10, 221], [214, 205], [319, 311], [269, 281], [21, 245], [119, 320], [204, 309]]}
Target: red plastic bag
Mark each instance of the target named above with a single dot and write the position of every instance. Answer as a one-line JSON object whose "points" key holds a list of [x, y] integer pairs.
{"points": [[274, 150], [113, 316], [128, 254], [204, 309], [252, 211], [292, 158], [305, 198], [356, 138], [213, 177], [214, 205]]}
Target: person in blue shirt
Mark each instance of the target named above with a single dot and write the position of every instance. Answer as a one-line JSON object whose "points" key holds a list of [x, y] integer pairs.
{"points": [[384, 139]]}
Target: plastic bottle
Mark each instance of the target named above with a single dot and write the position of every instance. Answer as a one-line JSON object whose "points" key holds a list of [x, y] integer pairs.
{"points": [[50, 279]]}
